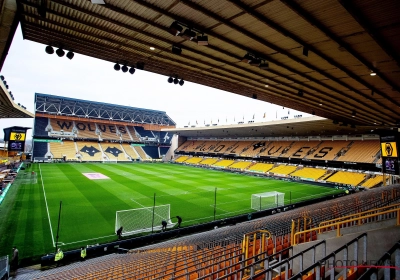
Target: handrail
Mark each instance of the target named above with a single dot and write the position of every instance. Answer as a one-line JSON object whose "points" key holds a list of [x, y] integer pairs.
{"points": [[333, 254], [397, 205], [385, 260], [277, 265], [347, 221]]}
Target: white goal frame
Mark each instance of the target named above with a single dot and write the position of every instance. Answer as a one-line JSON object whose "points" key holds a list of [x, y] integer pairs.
{"points": [[262, 201], [139, 220]]}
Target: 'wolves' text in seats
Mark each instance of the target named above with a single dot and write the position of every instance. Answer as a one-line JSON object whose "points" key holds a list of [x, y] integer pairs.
{"points": [[92, 127]]}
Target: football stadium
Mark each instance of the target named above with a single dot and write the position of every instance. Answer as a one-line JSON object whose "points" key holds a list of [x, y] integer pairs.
{"points": [[113, 191]]}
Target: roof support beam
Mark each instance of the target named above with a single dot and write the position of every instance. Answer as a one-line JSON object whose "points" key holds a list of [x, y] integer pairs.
{"points": [[379, 39], [295, 7], [288, 54]]}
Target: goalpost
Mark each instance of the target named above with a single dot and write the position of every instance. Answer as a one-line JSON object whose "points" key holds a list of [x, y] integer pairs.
{"points": [[141, 219], [261, 201]]}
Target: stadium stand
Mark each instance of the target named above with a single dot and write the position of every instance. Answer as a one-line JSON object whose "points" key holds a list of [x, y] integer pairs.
{"points": [[224, 163], [348, 178], [64, 149], [86, 130], [222, 147], [194, 160], [361, 151], [373, 181], [130, 151], [329, 150], [275, 148], [300, 149], [134, 135], [240, 147], [151, 151], [143, 132], [90, 151], [309, 173], [108, 131], [163, 151], [261, 167], [140, 152], [283, 169], [113, 151], [209, 161], [40, 126], [124, 133], [242, 165], [60, 124], [254, 148], [40, 149], [206, 147], [181, 159], [189, 146]]}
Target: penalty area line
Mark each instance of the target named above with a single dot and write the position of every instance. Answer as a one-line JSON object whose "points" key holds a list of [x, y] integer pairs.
{"points": [[47, 207]]}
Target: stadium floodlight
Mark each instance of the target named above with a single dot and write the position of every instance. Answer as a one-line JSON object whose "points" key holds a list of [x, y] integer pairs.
{"points": [[202, 40], [132, 70], [267, 200], [175, 28], [124, 68], [188, 34], [49, 50], [60, 52], [117, 67], [170, 80], [181, 82], [141, 219], [70, 55], [176, 81]]}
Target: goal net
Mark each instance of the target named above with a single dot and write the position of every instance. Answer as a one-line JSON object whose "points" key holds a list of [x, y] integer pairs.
{"points": [[261, 201], [141, 219]]}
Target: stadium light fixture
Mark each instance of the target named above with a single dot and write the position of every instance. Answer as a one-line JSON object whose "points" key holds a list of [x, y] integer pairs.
{"points": [[264, 65], [124, 68], [188, 34], [353, 113], [2, 77], [176, 50], [176, 81], [152, 48], [117, 67], [70, 55], [60, 52], [372, 73], [175, 29], [305, 51], [170, 80], [181, 82], [202, 40], [132, 70], [49, 50], [300, 93]]}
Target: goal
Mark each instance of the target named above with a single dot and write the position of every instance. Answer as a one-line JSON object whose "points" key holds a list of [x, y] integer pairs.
{"points": [[141, 219], [261, 201]]}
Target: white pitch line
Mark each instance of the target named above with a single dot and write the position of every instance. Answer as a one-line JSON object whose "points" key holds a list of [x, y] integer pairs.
{"points": [[86, 240], [47, 207]]}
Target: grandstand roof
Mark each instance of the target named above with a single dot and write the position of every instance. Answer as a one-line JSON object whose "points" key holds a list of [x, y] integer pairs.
{"points": [[311, 126], [8, 108], [64, 106], [320, 53]]}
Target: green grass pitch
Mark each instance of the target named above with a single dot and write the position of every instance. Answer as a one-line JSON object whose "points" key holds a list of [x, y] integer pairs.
{"points": [[89, 206]]}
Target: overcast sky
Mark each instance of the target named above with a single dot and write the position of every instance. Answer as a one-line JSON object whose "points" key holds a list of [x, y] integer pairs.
{"points": [[28, 69]]}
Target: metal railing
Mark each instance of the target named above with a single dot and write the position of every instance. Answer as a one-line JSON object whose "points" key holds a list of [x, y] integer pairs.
{"points": [[384, 267], [329, 263], [338, 224]]}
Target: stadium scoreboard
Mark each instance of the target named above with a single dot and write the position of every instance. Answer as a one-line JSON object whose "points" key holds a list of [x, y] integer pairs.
{"points": [[389, 151], [15, 136]]}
